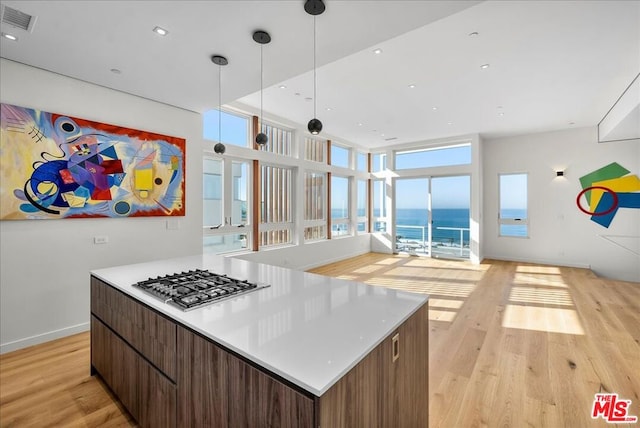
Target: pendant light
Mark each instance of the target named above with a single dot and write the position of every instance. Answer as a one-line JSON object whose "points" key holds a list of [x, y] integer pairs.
{"points": [[261, 37], [220, 61], [314, 8]]}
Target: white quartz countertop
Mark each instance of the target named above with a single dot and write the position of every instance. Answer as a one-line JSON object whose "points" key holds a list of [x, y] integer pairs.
{"points": [[306, 328]]}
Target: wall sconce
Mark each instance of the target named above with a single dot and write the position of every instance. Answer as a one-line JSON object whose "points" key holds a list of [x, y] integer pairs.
{"points": [[560, 173]]}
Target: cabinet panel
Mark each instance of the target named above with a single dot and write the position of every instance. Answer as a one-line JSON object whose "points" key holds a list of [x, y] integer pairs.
{"points": [[406, 380], [358, 398], [114, 360], [258, 400], [381, 392], [151, 334], [202, 382], [141, 388]]}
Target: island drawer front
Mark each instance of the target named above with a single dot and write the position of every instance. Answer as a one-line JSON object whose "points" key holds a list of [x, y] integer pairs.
{"points": [[148, 395], [257, 399], [149, 333], [218, 389]]}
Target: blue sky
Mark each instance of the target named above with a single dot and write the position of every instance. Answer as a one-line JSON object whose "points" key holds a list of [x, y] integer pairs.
{"points": [[448, 192]]}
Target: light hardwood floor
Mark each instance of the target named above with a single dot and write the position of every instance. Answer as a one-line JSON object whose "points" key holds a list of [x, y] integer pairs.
{"points": [[511, 345], [516, 344]]}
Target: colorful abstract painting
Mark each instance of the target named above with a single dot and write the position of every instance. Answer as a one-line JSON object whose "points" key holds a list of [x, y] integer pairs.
{"points": [[606, 190], [54, 166]]}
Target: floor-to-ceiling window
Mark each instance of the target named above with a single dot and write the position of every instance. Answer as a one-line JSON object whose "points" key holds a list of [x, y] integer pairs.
{"points": [[432, 208], [450, 206], [432, 216], [225, 210]]}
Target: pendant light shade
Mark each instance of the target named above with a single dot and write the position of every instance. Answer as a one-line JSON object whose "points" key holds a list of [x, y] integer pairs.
{"points": [[219, 148], [261, 37], [220, 61], [314, 126], [314, 7]]}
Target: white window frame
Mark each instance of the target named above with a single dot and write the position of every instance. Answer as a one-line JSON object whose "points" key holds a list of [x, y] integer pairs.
{"points": [[343, 220], [228, 230], [512, 221], [317, 222], [276, 226]]}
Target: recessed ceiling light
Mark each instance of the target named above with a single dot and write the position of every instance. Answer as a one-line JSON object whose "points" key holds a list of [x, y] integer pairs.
{"points": [[449, 123], [328, 108], [434, 108], [9, 36], [377, 51], [382, 135], [484, 66], [161, 31], [501, 113], [572, 123], [412, 85], [282, 86], [116, 71], [475, 33], [359, 124]]}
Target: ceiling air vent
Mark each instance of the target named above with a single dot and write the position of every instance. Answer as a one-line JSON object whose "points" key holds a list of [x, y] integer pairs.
{"points": [[391, 139], [17, 18]]}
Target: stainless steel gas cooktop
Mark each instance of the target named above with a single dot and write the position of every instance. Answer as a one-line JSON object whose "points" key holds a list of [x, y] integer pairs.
{"points": [[196, 288]]}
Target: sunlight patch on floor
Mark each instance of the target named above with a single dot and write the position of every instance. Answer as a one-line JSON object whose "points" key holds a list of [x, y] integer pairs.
{"points": [[445, 303], [438, 315], [550, 320], [538, 269], [552, 280], [540, 296], [452, 289], [367, 269], [390, 261]]}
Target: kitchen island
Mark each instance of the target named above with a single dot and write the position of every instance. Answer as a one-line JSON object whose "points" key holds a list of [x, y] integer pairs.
{"points": [[307, 351]]}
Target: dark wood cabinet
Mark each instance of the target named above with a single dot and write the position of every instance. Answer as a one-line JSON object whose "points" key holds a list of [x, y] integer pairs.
{"points": [[203, 375], [151, 334], [389, 387], [149, 396], [167, 375], [258, 400]]}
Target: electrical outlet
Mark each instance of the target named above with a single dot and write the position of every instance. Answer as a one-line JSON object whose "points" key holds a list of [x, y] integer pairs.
{"points": [[173, 224], [100, 239]]}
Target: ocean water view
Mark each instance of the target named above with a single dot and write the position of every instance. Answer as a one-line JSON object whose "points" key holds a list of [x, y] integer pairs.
{"points": [[442, 218], [455, 218]]}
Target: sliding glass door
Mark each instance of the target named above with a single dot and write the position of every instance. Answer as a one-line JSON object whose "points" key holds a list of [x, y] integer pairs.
{"points": [[412, 216], [450, 202], [432, 216]]}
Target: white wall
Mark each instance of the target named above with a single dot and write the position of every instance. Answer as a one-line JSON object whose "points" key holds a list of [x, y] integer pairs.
{"points": [[559, 232], [44, 278]]}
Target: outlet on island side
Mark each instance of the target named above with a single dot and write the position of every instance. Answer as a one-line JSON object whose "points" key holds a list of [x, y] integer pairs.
{"points": [[100, 239]]}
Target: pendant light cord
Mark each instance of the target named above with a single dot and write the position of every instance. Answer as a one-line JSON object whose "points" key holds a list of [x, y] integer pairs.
{"points": [[219, 104], [261, 79], [315, 101]]}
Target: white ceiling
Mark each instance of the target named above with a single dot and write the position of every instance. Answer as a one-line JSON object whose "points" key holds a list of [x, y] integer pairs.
{"points": [[553, 65]]}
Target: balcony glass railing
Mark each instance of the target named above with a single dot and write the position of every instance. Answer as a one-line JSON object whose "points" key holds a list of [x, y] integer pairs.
{"points": [[445, 242]]}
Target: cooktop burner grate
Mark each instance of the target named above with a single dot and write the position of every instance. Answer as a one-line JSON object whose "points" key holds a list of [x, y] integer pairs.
{"points": [[196, 288]]}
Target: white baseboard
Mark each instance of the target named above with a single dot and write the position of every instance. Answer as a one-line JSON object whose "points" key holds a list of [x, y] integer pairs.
{"points": [[44, 337], [538, 261]]}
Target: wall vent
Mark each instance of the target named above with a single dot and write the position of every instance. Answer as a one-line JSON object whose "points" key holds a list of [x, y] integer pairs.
{"points": [[17, 18]]}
